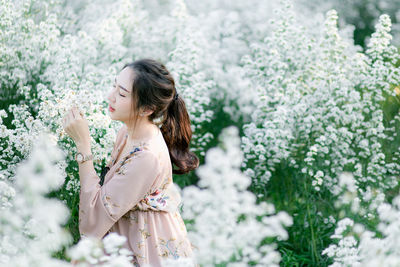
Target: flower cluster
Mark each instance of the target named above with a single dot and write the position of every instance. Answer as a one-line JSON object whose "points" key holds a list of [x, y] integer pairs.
{"points": [[223, 230], [108, 252], [30, 223], [363, 14], [320, 107], [358, 244]]}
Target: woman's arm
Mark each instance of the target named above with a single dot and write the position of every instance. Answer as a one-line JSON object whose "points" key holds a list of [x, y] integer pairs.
{"points": [[86, 168], [101, 206]]}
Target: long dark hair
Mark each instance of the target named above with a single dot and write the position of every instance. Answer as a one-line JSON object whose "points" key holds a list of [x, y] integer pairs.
{"points": [[154, 88]]}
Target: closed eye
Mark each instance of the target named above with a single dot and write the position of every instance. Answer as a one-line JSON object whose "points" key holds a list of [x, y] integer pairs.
{"points": [[119, 94]]}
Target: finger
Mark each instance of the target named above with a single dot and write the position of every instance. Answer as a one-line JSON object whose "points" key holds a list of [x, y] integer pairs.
{"points": [[71, 111], [65, 120], [70, 116], [78, 113], [75, 112]]}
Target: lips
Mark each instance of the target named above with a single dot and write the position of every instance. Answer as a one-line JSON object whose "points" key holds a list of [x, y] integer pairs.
{"points": [[110, 108]]}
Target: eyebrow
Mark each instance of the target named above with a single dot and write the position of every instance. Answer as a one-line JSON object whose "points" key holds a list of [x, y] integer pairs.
{"points": [[120, 85]]}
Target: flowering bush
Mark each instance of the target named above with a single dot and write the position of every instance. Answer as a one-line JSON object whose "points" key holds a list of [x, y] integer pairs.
{"points": [[108, 252], [321, 112], [230, 27], [314, 103], [30, 222], [358, 243], [308, 104], [363, 14], [223, 230]]}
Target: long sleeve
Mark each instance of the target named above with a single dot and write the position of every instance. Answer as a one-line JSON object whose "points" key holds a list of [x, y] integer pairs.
{"points": [[101, 206]]}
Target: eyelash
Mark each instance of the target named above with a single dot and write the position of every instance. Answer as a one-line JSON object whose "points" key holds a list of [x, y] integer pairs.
{"points": [[119, 94]]}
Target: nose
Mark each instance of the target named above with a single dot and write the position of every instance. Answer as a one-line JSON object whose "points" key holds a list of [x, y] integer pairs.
{"points": [[111, 95]]}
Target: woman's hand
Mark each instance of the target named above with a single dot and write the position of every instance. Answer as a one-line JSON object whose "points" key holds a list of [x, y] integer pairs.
{"points": [[76, 126]]}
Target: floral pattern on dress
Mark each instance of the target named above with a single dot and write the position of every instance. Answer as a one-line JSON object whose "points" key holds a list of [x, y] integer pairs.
{"points": [[123, 167], [156, 200], [164, 198], [144, 233], [131, 217], [169, 247], [166, 182], [137, 255], [141, 244], [107, 202]]}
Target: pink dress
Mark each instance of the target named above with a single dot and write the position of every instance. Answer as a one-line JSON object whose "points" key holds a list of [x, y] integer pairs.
{"points": [[138, 200]]}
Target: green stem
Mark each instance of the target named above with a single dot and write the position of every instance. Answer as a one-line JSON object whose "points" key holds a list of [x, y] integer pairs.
{"points": [[314, 245]]}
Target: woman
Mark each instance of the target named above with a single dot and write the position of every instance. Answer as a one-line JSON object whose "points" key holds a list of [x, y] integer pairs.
{"points": [[137, 198]]}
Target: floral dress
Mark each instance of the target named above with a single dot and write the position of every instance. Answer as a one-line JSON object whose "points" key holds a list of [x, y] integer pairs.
{"points": [[139, 200]]}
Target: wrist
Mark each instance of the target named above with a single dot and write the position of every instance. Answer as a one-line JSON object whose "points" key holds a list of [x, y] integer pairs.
{"points": [[80, 158], [84, 148]]}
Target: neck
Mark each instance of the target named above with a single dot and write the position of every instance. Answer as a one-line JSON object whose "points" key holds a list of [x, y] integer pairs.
{"points": [[144, 130]]}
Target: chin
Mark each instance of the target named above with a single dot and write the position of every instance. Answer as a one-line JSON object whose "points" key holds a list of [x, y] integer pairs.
{"points": [[112, 116]]}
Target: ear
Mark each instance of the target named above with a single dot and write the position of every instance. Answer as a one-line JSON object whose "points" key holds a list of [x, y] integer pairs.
{"points": [[147, 111]]}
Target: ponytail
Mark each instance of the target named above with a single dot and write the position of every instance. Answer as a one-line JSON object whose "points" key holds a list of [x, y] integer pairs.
{"points": [[177, 134]]}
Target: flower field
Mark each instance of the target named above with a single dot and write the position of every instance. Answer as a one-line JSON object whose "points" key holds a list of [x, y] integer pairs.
{"points": [[294, 108]]}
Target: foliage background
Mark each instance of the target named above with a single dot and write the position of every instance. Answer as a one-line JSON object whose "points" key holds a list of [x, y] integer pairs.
{"points": [[312, 94]]}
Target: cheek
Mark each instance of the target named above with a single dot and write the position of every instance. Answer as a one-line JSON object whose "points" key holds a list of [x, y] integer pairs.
{"points": [[124, 104]]}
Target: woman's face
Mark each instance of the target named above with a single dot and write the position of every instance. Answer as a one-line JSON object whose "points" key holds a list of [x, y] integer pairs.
{"points": [[119, 97]]}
